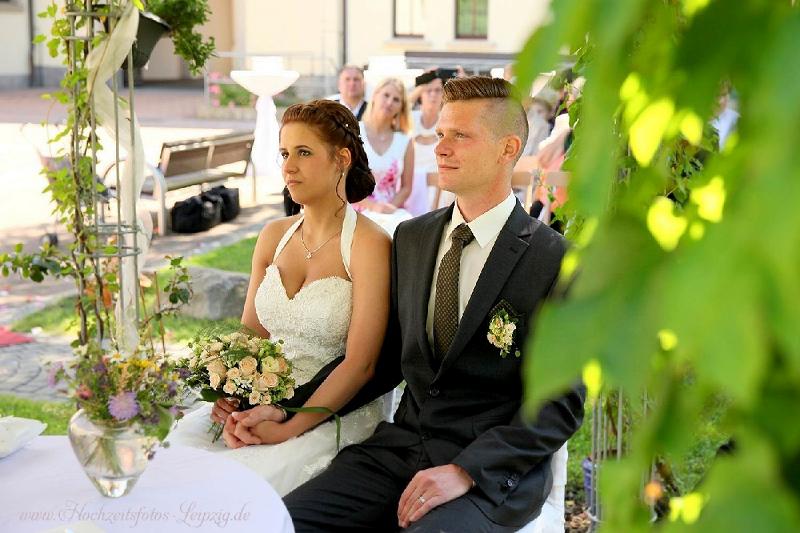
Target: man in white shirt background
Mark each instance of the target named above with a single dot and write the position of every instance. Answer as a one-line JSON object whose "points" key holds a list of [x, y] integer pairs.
{"points": [[351, 90]]}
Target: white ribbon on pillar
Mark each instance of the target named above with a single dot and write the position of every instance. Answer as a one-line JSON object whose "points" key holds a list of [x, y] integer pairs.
{"points": [[102, 63]]}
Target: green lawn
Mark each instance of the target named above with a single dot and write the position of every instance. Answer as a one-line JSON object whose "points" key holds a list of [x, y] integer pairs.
{"points": [[60, 316], [235, 257], [55, 414]]}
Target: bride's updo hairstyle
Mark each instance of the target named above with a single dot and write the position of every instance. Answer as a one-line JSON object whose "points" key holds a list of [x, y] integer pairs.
{"points": [[338, 128]]}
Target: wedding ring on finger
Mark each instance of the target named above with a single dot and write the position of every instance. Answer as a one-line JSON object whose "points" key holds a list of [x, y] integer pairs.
{"points": [[422, 499]]}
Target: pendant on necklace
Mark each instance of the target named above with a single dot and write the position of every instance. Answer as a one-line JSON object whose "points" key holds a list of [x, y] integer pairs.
{"points": [[308, 255]]}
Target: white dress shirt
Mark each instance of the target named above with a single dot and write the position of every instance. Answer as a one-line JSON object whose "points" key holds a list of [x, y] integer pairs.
{"points": [[355, 110], [485, 229]]}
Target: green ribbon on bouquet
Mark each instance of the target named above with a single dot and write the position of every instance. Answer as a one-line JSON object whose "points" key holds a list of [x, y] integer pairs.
{"points": [[336, 418], [211, 395]]}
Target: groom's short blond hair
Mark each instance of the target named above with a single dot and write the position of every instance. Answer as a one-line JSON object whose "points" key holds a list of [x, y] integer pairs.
{"points": [[505, 114]]}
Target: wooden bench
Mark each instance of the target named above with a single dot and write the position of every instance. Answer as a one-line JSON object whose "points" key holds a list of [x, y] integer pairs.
{"points": [[196, 162]]}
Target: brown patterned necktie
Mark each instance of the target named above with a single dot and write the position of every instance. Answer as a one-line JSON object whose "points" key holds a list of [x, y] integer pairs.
{"points": [[445, 308]]}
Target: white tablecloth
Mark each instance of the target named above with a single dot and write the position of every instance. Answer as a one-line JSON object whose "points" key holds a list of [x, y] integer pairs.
{"points": [[42, 487]]}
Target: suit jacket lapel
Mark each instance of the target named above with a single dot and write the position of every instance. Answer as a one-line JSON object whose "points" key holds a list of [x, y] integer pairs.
{"points": [[511, 243], [426, 260]]}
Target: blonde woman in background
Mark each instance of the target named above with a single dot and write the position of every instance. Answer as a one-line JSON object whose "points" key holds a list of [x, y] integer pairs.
{"points": [[385, 128]]}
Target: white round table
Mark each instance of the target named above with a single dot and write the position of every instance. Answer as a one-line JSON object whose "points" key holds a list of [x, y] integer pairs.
{"points": [[43, 488]]}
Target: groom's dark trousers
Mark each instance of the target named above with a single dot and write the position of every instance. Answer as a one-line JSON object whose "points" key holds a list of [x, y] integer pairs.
{"points": [[464, 409]]}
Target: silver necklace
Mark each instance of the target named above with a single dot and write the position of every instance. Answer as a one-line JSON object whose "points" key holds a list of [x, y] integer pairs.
{"points": [[310, 253]]}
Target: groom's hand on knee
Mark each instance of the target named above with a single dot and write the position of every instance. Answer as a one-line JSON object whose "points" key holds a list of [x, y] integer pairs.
{"points": [[429, 489]]}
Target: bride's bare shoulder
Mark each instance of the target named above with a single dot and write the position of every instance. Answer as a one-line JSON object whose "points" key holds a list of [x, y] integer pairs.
{"points": [[277, 226], [370, 233], [270, 235], [372, 247]]}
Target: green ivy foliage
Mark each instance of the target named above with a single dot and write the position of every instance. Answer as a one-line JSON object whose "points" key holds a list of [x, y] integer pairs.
{"points": [[183, 17], [688, 267], [90, 256]]}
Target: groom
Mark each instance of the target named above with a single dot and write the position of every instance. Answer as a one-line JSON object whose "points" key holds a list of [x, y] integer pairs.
{"points": [[460, 455]]}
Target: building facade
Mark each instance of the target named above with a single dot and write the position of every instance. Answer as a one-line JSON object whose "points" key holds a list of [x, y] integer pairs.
{"points": [[315, 37]]}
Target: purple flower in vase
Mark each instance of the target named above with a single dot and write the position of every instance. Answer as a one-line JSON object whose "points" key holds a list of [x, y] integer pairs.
{"points": [[123, 406]]}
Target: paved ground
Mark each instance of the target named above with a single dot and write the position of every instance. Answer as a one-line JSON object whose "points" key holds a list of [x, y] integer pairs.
{"points": [[23, 371], [165, 114]]}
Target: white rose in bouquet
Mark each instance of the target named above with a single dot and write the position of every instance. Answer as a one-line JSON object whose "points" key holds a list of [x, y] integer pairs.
{"points": [[260, 383], [270, 379], [254, 398], [270, 364], [216, 367], [248, 365], [229, 387], [234, 373], [214, 380], [283, 366]]}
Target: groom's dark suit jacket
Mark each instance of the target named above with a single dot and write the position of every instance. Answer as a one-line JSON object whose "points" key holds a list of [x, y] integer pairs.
{"points": [[466, 408]]}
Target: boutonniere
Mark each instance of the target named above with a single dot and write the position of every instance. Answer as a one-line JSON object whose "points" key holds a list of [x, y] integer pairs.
{"points": [[501, 329]]}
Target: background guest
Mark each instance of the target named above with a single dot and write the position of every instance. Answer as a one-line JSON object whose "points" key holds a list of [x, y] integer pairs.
{"points": [[423, 133], [390, 151], [351, 90]]}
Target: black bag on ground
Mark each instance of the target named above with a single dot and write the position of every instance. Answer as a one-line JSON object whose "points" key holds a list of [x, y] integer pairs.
{"points": [[230, 201], [196, 214]]}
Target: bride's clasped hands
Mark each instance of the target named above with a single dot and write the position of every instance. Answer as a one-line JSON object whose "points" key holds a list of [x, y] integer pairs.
{"points": [[265, 424]]}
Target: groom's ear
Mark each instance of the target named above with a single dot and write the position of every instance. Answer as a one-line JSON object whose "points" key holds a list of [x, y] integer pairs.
{"points": [[511, 145]]}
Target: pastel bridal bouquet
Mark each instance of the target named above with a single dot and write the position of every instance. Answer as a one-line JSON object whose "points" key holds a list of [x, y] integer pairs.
{"points": [[238, 365]]}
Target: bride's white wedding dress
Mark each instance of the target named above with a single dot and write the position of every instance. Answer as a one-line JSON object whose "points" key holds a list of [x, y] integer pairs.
{"points": [[313, 325]]}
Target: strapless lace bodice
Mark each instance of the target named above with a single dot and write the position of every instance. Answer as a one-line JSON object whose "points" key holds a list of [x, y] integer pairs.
{"points": [[313, 325]]}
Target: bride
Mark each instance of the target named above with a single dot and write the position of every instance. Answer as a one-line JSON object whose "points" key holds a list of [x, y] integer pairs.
{"points": [[319, 282]]}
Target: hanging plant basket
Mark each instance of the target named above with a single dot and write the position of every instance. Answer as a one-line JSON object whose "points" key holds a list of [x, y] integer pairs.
{"points": [[151, 30]]}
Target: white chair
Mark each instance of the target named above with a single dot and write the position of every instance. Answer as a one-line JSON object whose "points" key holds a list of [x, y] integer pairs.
{"points": [[551, 519]]}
